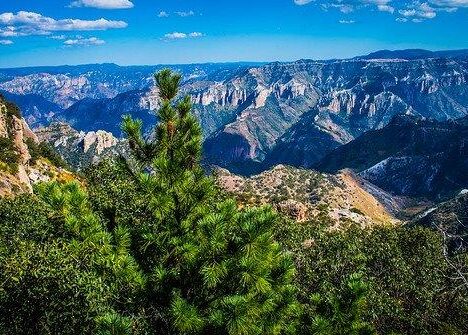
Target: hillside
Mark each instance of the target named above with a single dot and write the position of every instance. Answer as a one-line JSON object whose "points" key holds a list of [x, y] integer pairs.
{"points": [[306, 195], [410, 156], [450, 219]]}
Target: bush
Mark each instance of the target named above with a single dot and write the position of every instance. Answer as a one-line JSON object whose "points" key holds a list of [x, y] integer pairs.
{"points": [[8, 155]]}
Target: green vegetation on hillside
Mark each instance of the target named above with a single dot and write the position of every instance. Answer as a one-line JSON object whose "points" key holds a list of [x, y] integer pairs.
{"points": [[11, 108]]}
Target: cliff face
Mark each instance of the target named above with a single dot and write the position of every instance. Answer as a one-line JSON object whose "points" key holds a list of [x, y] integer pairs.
{"points": [[18, 169], [309, 108], [15, 154]]}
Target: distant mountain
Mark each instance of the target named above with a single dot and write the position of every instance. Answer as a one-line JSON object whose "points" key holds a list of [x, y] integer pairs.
{"points": [[410, 156], [300, 111], [412, 54], [66, 85], [35, 109], [106, 114], [257, 115]]}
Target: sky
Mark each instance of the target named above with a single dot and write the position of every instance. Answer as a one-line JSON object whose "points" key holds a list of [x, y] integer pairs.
{"points": [[134, 32]]}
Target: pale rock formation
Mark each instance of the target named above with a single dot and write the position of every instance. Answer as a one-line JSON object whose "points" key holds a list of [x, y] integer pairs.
{"points": [[101, 139]]}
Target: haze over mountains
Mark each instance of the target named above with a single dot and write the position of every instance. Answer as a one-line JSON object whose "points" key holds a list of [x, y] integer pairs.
{"points": [[255, 116]]}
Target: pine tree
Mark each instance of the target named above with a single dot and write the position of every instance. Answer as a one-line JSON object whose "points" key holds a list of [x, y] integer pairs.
{"points": [[213, 269]]}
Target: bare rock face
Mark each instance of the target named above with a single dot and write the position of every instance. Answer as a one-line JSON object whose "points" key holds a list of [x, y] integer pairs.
{"points": [[78, 148], [18, 176], [3, 122], [101, 139], [18, 137], [16, 129]]}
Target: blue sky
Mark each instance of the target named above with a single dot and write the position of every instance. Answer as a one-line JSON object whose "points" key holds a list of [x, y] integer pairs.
{"points": [[53, 32]]}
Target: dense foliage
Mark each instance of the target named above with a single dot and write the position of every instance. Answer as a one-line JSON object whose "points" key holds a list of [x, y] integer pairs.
{"points": [[153, 247], [9, 158], [393, 278], [61, 272]]}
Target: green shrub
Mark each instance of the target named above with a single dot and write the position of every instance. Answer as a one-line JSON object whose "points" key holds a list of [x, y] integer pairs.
{"points": [[8, 155]]}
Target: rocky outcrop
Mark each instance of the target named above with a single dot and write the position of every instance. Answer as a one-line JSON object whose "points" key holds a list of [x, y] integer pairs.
{"points": [[100, 140], [81, 149], [293, 209]]}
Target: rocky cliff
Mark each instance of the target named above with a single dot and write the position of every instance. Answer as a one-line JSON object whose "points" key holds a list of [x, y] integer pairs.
{"points": [[18, 171]]}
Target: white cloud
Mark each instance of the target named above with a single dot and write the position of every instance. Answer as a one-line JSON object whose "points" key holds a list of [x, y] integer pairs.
{"points": [[302, 2], [163, 14], [347, 21], [30, 23], [195, 34], [413, 10], [84, 41], [103, 4], [178, 35], [185, 14], [9, 31], [418, 12], [386, 8], [450, 3], [58, 37], [6, 42], [175, 35]]}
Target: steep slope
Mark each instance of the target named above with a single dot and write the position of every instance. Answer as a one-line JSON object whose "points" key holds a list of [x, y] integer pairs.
{"points": [[106, 114], [18, 169], [410, 156], [340, 101]]}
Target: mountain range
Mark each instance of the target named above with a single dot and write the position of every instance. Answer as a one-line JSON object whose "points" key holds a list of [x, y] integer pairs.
{"points": [[328, 114]]}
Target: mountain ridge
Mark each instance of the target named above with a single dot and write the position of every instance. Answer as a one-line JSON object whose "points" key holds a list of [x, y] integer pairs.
{"points": [[252, 115]]}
